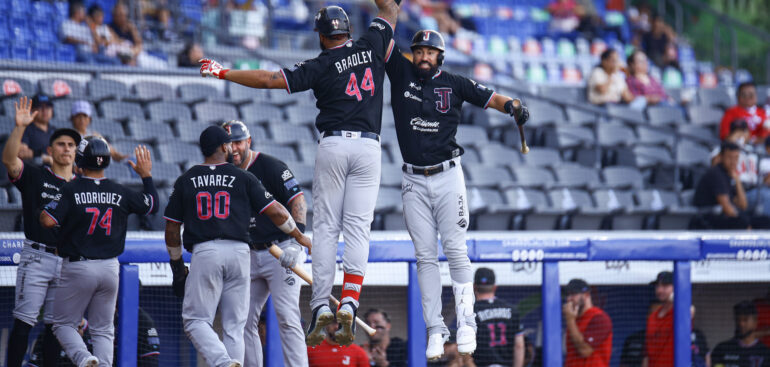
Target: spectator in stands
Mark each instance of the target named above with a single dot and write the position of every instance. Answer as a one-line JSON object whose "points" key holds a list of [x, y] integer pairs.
{"points": [[105, 39], [77, 31], [640, 83], [382, 349], [760, 195], [747, 162], [161, 26], [607, 84], [746, 109], [330, 354], [745, 348], [659, 336], [721, 186], [763, 318], [657, 40], [564, 18], [501, 320], [129, 47], [80, 117], [36, 137], [590, 21], [589, 328], [189, 56]]}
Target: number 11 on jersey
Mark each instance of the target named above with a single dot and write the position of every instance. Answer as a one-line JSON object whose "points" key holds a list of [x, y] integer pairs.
{"points": [[367, 84]]}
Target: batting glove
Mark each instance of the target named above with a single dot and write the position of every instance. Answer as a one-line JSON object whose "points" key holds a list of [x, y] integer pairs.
{"points": [[179, 271], [212, 68], [291, 253], [520, 114]]}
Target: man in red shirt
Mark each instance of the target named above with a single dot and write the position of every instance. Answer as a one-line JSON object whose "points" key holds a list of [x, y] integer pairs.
{"points": [[589, 329], [330, 354], [746, 109], [659, 339]]}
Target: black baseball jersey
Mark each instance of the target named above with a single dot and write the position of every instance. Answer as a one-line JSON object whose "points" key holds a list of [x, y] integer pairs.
{"points": [[38, 186], [93, 215], [732, 353], [498, 324], [279, 181], [216, 202], [347, 81], [427, 111]]}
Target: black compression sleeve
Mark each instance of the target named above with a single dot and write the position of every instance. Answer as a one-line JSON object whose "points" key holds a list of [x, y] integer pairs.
{"points": [[149, 188]]}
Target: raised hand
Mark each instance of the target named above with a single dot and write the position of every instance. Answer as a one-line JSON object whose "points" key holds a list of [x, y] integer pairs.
{"points": [[23, 115], [143, 165], [211, 68]]}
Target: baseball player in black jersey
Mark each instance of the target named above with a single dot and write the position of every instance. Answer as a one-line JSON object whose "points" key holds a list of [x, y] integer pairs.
{"points": [[346, 79], [92, 212], [39, 267], [427, 104], [745, 349], [500, 339], [216, 201], [268, 275]]}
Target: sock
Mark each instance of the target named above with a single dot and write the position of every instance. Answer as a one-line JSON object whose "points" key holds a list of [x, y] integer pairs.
{"points": [[17, 343], [464, 300], [351, 288], [51, 348]]}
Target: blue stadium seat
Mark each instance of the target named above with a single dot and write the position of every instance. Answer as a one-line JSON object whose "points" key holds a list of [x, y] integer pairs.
{"points": [[704, 115], [62, 108], [127, 146], [303, 173], [26, 86], [577, 176], [647, 157], [612, 135], [169, 111], [284, 133], [262, 112], [190, 92], [65, 53], [487, 176], [545, 113], [149, 91], [190, 131], [149, 131], [121, 173], [469, 135], [20, 51], [20, 31], [665, 115], [42, 31], [215, 112], [258, 133], [530, 176], [499, 155], [489, 211], [165, 173], [282, 152], [119, 110], [588, 216], [655, 136], [110, 129], [20, 8], [718, 97], [626, 214], [101, 89], [542, 157], [623, 178], [61, 87], [301, 115], [44, 52], [178, 152], [240, 94], [307, 152]]}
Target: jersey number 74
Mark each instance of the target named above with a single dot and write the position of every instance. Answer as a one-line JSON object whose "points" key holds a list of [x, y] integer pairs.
{"points": [[367, 84]]}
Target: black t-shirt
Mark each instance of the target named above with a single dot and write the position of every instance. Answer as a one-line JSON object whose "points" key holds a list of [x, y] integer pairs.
{"points": [[37, 139], [633, 350], [279, 181], [93, 215], [38, 186], [716, 181], [216, 202], [397, 353], [347, 81], [148, 342], [498, 324], [427, 111], [732, 354]]}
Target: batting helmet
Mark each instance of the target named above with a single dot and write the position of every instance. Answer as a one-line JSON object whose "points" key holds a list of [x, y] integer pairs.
{"points": [[430, 39], [331, 21], [93, 153], [237, 130]]}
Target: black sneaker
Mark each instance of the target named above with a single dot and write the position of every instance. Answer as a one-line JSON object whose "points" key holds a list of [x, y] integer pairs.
{"points": [[346, 316], [316, 333]]}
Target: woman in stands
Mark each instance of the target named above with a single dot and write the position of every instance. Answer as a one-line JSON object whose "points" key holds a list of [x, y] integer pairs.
{"points": [[641, 84], [607, 83]]}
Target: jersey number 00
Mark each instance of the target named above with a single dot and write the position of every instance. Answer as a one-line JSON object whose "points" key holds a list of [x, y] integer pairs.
{"points": [[221, 205]]}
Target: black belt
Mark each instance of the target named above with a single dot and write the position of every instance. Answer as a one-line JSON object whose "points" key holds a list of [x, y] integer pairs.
{"points": [[260, 246], [73, 259], [37, 246], [428, 171], [349, 134]]}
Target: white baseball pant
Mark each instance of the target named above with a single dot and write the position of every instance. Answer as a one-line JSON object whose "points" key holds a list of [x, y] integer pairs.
{"points": [[36, 278]]}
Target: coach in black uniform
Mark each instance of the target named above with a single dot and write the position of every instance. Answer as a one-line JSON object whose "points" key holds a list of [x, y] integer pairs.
{"points": [[347, 80], [744, 349], [92, 212], [39, 267], [500, 339], [427, 104], [268, 275], [216, 201]]}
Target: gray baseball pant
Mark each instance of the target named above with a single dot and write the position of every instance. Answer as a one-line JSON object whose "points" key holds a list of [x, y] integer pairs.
{"points": [[87, 285], [36, 278], [219, 276], [269, 277], [437, 205], [345, 188]]}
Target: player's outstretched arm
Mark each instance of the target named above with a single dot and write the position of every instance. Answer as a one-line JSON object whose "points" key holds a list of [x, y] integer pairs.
{"points": [[281, 218], [12, 146], [388, 10], [513, 107], [261, 79]]}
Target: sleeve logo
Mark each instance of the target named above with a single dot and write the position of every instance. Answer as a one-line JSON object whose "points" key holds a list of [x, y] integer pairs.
{"points": [[268, 195], [286, 175], [378, 25]]}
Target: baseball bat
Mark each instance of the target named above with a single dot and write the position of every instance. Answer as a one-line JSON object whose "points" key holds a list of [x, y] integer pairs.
{"points": [[524, 146], [277, 252]]}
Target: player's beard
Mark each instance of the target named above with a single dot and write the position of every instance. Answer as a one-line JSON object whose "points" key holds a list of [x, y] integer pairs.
{"points": [[229, 157], [425, 73]]}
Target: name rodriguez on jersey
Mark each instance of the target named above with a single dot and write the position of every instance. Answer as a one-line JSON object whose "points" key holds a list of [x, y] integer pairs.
{"points": [[359, 58], [98, 198]]}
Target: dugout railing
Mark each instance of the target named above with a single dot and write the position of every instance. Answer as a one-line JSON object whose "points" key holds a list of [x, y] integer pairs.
{"points": [[547, 249]]}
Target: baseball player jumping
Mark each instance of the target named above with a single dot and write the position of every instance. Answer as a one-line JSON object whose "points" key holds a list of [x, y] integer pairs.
{"points": [[347, 79], [92, 212], [39, 267], [427, 103], [216, 201], [268, 275]]}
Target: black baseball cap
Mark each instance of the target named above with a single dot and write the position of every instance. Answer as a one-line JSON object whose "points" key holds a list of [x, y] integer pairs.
{"points": [[484, 276], [211, 138], [664, 277], [744, 308], [739, 124], [40, 100], [68, 132], [576, 286]]}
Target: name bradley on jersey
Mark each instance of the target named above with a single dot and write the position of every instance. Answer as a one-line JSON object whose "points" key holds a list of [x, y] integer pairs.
{"points": [[359, 58], [213, 180], [98, 198], [494, 313]]}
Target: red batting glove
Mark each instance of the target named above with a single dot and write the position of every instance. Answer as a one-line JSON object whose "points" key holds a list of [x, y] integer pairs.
{"points": [[212, 68]]}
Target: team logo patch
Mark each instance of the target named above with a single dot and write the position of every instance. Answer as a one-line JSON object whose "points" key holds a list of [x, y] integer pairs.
{"points": [[267, 195], [99, 161], [460, 205], [286, 175], [443, 104], [82, 146], [378, 26], [290, 281], [462, 223], [146, 200], [291, 184]]}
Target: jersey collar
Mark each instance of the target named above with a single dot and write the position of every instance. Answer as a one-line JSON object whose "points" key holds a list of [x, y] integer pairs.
{"points": [[437, 74], [253, 160], [342, 45], [57, 176], [94, 178]]}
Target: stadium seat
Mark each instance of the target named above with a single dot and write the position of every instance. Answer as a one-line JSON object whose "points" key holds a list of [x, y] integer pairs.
{"points": [[588, 216], [698, 133], [279, 97], [576, 176], [169, 111], [44, 51], [489, 212], [17, 87], [656, 136], [282, 152], [499, 155], [7, 124], [626, 215], [215, 112], [148, 131], [112, 130], [283, 133], [64, 52], [303, 173], [704, 115], [561, 93], [690, 153], [387, 117], [542, 157], [470, 156], [487, 176], [165, 173], [258, 133], [62, 108], [626, 115], [715, 97], [307, 152], [261, 112], [389, 199], [569, 137], [665, 115], [623, 178], [240, 94], [672, 214], [613, 135], [580, 117], [121, 173], [178, 152], [526, 176], [119, 110], [146, 91], [468, 135], [301, 115], [544, 113], [541, 216], [190, 131], [196, 92], [60, 87], [101, 89], [647, 156], [391, 175], [127, 146]]}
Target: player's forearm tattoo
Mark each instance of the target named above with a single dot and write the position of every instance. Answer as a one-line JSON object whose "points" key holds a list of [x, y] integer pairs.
{"points": [[299, 209], [276, 75]]}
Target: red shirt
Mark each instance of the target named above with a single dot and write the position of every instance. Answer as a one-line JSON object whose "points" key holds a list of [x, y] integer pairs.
{"points": [[327, 355], [754, 116], [763, 317], [596, 328], [659, 339]]}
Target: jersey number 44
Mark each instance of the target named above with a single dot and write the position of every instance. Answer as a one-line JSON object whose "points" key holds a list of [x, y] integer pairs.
{"points": [[367, 84]]}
